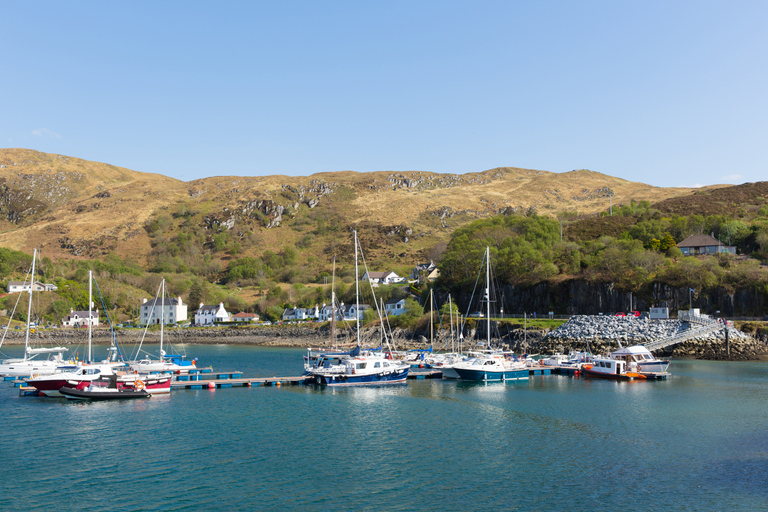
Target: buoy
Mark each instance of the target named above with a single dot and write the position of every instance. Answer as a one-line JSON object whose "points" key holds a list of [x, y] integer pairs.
{"points": [[577, 373], [277, 383], [211, 385], [247, 384]]}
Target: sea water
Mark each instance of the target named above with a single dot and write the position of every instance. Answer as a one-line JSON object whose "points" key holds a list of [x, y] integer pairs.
{"points": [[697, 441]]}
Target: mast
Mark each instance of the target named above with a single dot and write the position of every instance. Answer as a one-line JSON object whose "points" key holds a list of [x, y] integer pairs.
{"points": [[333, 306], [29, 306], [357, 295], [90, 305], [488, 294], [431, 322], [450, 321], [162, 317]]}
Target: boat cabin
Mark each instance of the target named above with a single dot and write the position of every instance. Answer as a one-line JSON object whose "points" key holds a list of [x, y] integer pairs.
{"points": [[611, 366]]}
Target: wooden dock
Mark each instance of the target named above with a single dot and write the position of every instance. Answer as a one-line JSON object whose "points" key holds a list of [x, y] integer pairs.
{"points": [[218, 380]]}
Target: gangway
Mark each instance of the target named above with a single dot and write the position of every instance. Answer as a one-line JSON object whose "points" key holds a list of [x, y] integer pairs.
{"points": [[698, 325]]}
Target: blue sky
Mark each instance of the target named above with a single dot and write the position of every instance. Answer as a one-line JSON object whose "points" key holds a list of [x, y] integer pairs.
{"points": [[670, 93]]}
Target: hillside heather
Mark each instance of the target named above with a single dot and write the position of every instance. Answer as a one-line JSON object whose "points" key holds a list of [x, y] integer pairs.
{"points": [[265, 243]]}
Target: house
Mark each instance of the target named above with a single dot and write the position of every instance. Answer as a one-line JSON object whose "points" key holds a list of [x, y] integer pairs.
{"points": [[170, 310], [301, 314], [326, 312], [244, 317], [349, 312], [395, 307], [423, 270], [704, 244], [21, 286], [382, 278], [81, 318], [209, 315]]}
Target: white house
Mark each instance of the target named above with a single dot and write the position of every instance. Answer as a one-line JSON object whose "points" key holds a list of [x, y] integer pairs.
{"points": [[395, 307], [21, 286], [244, 317], [81, 318], [171, 310], [326, 312], [209, 315], [382, 277], [349, 312], [296, 314]]}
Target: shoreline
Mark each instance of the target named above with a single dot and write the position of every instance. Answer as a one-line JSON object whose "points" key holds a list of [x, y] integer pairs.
{"points": [[293, 336]]}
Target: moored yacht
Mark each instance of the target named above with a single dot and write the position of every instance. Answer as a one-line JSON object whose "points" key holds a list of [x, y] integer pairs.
{"points": [[366, 368], [491, 367]]}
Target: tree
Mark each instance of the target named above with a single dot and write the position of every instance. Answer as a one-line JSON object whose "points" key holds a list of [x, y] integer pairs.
{"points": [[196, 294]]}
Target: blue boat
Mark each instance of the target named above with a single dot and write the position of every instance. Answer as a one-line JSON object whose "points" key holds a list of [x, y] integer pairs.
{"points": [[366, 368], [491, 368]]}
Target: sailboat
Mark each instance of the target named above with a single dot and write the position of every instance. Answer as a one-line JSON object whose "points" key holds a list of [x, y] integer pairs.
{"points": [[88, 372], [367, 367], [166, 363], [28, 365], [490, 365], [324, 357]]}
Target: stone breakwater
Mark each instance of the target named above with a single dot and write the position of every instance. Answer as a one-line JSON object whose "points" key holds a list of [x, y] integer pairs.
{"points": [[605, 333]]}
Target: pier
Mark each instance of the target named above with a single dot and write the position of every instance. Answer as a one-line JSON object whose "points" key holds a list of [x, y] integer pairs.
{"points": [[219, 380]]}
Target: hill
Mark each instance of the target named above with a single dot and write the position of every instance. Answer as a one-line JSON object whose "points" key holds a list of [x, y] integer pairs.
{"points": [[73, 208]]}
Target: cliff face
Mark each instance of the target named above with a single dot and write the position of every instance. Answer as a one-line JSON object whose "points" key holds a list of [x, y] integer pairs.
{"points": [[587, 298]]}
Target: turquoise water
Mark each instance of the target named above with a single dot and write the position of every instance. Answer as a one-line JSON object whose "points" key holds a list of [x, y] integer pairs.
{"points": [[698, 441]]}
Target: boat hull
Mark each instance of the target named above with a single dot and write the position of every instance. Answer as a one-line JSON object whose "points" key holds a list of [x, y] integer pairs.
{"points": [[394, 377], [449, 372], [602, 375], [81, 394], [491, 375]]}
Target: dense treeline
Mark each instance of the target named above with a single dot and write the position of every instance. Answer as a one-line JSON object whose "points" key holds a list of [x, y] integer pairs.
{"points": [[526, 250]]}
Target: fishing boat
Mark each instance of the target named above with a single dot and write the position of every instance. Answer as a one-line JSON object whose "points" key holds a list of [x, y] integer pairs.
{"points": [[607, 368], [366, 368], [28, 365], [104, 390], [640, 359]]}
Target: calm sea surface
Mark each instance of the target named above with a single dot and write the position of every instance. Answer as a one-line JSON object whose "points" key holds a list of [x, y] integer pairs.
{"points": [[698, 441]]}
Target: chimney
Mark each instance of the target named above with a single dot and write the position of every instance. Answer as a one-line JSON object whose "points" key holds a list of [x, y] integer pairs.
{"points": [[144, 301]]}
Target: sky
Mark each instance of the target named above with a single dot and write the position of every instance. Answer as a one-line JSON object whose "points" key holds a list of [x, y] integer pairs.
{"points": [[669, 93]]}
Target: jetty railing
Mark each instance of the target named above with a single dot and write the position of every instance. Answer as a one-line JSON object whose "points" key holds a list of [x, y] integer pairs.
{"points": [[698, 326]]}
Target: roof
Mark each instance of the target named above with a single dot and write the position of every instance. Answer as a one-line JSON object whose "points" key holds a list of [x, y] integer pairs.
{"points": [[167, 301], [208, 308], [245, 315], [83, 314], [700, 241], [394, 301]]}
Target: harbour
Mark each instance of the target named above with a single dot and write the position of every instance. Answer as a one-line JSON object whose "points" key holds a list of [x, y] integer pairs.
{"points": [[430, 444]]}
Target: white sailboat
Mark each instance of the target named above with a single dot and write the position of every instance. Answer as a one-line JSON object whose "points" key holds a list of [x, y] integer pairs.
{"points": [[28, 364], [490, 366]]}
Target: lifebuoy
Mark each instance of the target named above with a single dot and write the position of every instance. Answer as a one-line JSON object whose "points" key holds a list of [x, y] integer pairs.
{"points": [[138, 385]]}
